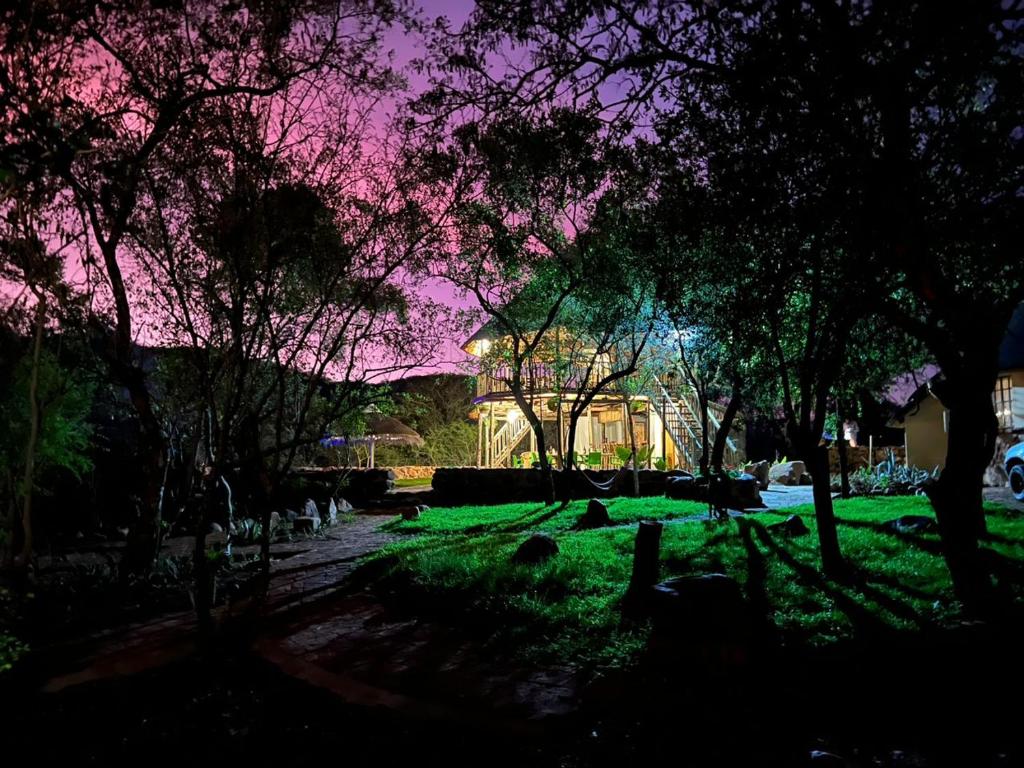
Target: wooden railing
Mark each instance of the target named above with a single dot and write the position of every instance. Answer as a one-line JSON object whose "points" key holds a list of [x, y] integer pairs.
{"points": [[542, 379], [506, 439]]}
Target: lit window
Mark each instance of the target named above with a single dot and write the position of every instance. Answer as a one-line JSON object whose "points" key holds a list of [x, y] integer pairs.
{"points": [[1002, 400]]}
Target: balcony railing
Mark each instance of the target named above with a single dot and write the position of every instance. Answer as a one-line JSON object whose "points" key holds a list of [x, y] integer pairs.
{"points": [[542, 379]]}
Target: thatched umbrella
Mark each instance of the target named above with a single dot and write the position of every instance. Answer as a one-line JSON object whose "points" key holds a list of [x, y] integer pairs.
{"points": [[385, 430]]}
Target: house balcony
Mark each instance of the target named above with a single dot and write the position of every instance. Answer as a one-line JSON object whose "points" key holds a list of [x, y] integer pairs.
{"points": [[540, 380]]}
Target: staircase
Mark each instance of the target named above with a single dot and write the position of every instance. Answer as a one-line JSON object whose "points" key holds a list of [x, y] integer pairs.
{"points": [[683, 424], [506, 439], [677, 425]]}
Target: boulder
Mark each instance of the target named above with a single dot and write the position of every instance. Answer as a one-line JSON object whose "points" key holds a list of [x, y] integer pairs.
{"points": [[309, 509], [275, 521], [306, 524], [343, 506], [596, 516], [409, 512], [682, 487], [787, 473], [290, 515], [332, 513], [536, 549], [704, 606], [759, 470], [793, 525], [806, 479], [216, 528], [744, 492], [911, 524]]}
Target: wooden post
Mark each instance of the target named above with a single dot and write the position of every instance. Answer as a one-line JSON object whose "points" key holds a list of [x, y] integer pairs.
{"points": [[479, 438], [871, 452], [645, 557]]}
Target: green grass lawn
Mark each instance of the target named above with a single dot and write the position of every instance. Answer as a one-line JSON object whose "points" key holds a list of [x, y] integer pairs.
{"points": [[568, 608], [409, 482]]}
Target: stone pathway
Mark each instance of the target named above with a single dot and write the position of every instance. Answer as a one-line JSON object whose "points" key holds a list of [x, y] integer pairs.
{"points": [[370, 656], [782, 496], [303, 571]]}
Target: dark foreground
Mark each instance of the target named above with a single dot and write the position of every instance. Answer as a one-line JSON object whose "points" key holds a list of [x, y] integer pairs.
{"points": [[953, 700]]}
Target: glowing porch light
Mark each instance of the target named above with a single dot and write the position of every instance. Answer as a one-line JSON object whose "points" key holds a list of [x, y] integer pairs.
{"points": [[513, 415]]}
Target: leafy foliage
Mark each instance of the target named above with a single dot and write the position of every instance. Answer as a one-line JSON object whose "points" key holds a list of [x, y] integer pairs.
{"points": [[65, 399]]}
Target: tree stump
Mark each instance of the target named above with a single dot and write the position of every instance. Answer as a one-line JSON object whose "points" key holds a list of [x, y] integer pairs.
{"points": [[645, 563]]}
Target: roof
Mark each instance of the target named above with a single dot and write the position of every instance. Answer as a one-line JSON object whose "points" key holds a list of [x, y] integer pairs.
{"points": [[379, 429], [485, 332]]}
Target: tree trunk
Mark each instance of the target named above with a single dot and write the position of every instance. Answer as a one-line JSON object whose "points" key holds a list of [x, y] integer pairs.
{"points": [[705, 432], [204, 576], [957, 496], [561, 451], [632, 448], [35, 415], [143, 543], [832, 563], [566, 493], [718, 450]]}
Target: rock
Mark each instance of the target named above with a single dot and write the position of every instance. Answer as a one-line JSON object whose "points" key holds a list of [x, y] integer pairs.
{"points": [[408, 513], [343, 506], [215, 528], [793, 525], [911, 524], [309, 509], [306, 524], [788, 473], [275, 521], [995, 476], [806, 479], [290, 515], [596, 516], [332, 513], [759, 470], [536, 549], [682, 487], [743, 492], [421, 508]]}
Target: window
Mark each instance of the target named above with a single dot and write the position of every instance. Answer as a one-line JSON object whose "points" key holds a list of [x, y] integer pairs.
{"points": [[1002, 399]]}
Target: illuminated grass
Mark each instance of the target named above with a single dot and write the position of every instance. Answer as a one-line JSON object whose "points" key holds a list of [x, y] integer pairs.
{"points": [[568, 608]]}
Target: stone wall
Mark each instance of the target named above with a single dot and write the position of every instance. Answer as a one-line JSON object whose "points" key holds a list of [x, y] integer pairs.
{"points": [[469, 485], [412, 471]]}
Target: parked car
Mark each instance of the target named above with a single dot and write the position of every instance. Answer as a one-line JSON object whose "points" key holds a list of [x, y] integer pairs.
{"points": [[1014, 463]]}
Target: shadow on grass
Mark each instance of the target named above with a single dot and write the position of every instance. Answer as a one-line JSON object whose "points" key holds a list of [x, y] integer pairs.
{"points": [[863, 620]]}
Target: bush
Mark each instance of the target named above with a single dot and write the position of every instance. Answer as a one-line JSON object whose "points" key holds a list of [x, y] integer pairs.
{"points": [[889, 478]]}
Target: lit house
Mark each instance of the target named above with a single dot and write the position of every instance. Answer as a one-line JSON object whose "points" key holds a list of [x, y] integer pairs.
{"points": [[925, 418], [664, 417]]}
